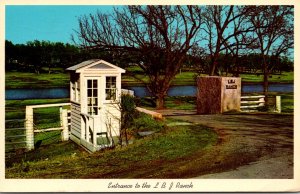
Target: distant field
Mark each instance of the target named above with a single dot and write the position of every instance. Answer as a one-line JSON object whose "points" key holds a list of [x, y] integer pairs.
{"points": [[32, 80], [285, 77], [132, 77]]}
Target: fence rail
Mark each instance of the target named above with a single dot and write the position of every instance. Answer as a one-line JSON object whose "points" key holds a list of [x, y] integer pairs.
{"points": [[19, 133], [248, 103], [253, 103], [15, 136]]}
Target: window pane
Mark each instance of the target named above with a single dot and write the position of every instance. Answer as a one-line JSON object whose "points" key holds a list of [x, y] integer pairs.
{"points": [[113, 79], [107, 94], [89, 101], [89, 83], [89, 110], [95, 93], [95, 100], [95, 83], [95, 110], [89, 92], [113, 94]]}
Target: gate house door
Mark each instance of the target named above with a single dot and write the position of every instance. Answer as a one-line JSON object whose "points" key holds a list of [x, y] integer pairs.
{"points": [[92, 109], [92, 106]]}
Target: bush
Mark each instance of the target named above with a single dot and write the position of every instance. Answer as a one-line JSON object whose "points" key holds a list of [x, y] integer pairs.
{"points": [[127, 115], [128, 110], [145, 122]]}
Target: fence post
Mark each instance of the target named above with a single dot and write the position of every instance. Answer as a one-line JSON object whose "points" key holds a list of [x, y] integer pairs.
{"points": [[61, 115], [278, 104], [29, 128], [64, 122]]}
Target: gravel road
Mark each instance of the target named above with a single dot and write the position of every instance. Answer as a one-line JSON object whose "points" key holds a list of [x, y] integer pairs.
{"points": [[268, 137]]}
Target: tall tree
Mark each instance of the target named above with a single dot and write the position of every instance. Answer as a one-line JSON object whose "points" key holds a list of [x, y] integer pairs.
{"points": [[157, 37], [274, 29], [223, 26]]}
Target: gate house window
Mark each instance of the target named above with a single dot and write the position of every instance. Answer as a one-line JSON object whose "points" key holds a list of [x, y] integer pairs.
{"points": [[77, 86], [75, 96], [110, 90], [92, 97]]}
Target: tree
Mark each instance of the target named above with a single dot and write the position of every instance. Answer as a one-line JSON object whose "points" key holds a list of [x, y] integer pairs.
{"points": [[37, 54], [156, 37], [224, 30], [33, 55], [274, 29]]}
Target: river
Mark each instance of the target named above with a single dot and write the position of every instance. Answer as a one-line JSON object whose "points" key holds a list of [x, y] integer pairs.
{"points": [[21, 94]]}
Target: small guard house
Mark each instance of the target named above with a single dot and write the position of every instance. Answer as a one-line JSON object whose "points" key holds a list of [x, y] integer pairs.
{"points": [[95, 90]]}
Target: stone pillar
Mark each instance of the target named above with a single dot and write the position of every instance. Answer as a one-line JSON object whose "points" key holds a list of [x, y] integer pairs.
{"points": [[218, 94], [29, 128]]}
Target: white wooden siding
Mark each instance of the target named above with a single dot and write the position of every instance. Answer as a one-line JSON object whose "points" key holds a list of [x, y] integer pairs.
{"points": [[75, 120]]}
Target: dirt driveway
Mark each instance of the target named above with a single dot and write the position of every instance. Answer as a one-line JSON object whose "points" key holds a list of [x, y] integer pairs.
{"points": [[266, 138]]}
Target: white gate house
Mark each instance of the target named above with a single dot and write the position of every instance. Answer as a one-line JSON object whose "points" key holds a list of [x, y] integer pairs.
{"points": [[95, 90]]}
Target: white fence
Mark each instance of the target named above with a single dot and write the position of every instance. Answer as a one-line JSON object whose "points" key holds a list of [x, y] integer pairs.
{"points": [[15, 136], [29, 123], [253, 103]]}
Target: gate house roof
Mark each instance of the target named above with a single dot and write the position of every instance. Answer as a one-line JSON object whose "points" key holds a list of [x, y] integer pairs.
{"points": [[96, 64]]}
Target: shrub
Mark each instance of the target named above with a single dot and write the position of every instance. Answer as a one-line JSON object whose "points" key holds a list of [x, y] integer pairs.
{"points": [[127, 115], [128, 110], [145, 122]]}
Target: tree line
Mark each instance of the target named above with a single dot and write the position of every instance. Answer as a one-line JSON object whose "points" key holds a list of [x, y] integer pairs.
{"points": [[36, 55], [163, 39]]}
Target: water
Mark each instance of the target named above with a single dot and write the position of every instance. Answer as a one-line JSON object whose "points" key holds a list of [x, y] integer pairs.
{"points": [[47, 93], [20, 94], [191, 90]]}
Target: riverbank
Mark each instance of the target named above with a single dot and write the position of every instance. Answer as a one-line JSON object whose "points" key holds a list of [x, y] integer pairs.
{"points": [[59, 79]]}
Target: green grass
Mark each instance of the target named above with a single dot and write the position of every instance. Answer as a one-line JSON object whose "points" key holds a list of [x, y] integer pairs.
{"points": [[286, 77], [32, 80], [144, 122], [151, 156], [15, 109], [181, 102], [59, 78], [185, 78]]}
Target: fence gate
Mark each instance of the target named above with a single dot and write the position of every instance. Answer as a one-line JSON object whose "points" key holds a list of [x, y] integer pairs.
{"points": [[38, 132]]}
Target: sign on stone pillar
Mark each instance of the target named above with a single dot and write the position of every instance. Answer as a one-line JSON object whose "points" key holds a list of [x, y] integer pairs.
{"points": [[218, 94]]}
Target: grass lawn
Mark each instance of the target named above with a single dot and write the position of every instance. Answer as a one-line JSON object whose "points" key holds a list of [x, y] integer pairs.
{"points": [[149, 157], [285, 77], [15, 109], [32, 80]]}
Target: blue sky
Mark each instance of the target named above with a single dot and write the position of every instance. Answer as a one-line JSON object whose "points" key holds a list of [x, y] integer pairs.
{"points": [[51, 23]]}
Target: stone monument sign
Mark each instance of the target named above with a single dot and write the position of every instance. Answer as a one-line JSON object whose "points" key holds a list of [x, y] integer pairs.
{"points": [[217, 94]]}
